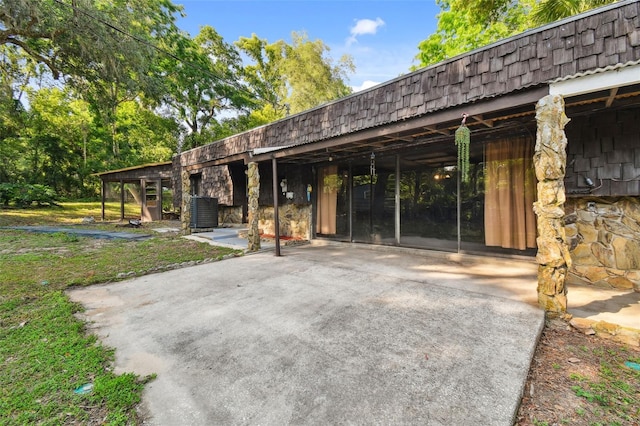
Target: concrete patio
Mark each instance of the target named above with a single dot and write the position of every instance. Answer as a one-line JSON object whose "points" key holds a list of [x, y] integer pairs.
{"points": [[325, 334]]}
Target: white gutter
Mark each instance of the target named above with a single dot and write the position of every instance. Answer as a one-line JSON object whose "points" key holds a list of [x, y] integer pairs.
{"points": [[596, 80]]}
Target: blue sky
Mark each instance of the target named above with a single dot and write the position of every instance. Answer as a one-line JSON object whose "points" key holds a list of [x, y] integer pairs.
{"points": [[382, 36]]}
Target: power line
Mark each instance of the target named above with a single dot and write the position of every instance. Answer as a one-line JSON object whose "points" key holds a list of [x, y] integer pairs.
{"points": [[147, 43]]}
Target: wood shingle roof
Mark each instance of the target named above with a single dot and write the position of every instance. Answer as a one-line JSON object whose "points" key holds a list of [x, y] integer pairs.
{"points": [[596, 39]]}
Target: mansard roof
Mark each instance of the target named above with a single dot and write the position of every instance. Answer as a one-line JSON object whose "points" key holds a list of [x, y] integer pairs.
{"points": [[604, 37]]}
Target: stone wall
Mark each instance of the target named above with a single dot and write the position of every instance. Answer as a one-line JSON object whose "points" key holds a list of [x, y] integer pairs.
{"points": [[295, 220], [229, 215], [604, 240]]}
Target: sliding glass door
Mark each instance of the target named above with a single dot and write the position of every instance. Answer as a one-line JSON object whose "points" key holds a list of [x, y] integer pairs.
{"points": [[373, 195], [491, 211]]}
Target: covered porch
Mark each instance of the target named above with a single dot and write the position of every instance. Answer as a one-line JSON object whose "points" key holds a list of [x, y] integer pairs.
{"points": [[144, 183]]}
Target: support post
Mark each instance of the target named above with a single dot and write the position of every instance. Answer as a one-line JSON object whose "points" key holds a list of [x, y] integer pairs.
{"points": [[397, 201], [276, 215], [550, 160], [144, 212], [121, 199], [253, 189], [459, 209], [103, 195], [185, 210]]}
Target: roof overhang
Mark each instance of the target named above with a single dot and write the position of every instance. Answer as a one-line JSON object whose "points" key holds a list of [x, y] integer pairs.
{"points": [[431, 127], [612, 77], [151, 171]]}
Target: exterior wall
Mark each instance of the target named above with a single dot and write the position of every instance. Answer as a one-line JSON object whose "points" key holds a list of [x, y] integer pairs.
{"points": [[216, 182], [604, 147], [604, 238], [229, 215], [298, 177], [295, 220], [603, 222], [530, 59]]}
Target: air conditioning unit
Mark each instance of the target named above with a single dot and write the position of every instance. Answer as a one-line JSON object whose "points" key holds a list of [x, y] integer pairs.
{"points": [[204, 213]]}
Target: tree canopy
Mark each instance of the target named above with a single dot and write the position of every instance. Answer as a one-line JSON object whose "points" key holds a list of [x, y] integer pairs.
{"points": [[93, 85], [467, 25], [289, 78], [86, 38]]}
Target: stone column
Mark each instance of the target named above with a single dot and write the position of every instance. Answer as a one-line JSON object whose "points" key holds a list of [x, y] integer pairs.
{"points": [[550, 161], [185, 217], [253, 235]]}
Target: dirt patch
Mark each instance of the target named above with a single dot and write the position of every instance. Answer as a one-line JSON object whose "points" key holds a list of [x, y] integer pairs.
{"points": [[577, 379]]}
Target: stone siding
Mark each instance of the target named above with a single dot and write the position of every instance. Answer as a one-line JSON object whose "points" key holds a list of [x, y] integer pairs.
{"points": [[229, 215], [604, 240], [295, 220]]}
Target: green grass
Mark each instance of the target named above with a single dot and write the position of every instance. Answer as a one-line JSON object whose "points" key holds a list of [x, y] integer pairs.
{"points": [[69, 213], [615, 390], [46, 352]]}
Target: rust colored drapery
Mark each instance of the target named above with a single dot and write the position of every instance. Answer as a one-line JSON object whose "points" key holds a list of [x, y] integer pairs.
{"points": [[327, 200], [510, 190]]}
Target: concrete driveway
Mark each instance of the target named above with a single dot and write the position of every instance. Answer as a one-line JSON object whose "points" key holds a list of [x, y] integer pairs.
{"points": [[329, 334]]}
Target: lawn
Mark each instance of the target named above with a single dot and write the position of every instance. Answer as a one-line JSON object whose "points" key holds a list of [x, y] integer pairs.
{"points": [[51, 370]]}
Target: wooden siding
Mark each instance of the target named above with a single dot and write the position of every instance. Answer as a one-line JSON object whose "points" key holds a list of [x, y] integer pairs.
{"points": [[604, 147]]}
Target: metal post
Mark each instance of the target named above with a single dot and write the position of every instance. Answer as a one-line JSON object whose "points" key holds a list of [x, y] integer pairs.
{"points": [[350, 195], [459, 208], [397, 203], [276, 217]]}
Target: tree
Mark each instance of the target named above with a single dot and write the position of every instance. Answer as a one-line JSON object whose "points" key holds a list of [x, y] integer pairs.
{"points": [[55, 148], [106, 50], [84, 37], [289, 78], [552, 10], [466, 25], [145, 137], [264, 75], [12, 114], [312, 76], [203, 81]]}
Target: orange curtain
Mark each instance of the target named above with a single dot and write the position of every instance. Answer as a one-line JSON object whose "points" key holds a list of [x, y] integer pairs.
{"points": [[327, 200], [510, 190]]}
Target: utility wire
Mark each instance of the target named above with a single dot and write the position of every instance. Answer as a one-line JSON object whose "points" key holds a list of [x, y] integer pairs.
{"points": [[146, 43]]}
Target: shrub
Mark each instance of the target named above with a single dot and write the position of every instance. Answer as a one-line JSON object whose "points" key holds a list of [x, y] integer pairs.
{"points": [[25, 194]]}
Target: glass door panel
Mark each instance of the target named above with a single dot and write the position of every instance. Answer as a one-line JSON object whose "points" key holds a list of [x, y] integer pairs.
{"points": [[428, 207], [332, 218], [373, 200]]}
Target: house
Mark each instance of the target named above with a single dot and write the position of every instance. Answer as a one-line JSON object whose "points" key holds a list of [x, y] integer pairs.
{"points": [[554, 116]]}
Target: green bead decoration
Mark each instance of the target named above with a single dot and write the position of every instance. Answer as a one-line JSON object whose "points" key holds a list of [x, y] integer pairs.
{"points": [[463, 139]]}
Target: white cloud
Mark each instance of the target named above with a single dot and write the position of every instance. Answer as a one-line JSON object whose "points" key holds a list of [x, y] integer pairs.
{"points": [[362, 27], [365, 85]]}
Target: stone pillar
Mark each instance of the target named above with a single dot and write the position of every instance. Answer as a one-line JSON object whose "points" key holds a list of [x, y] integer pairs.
{"points": [[550, 161], [253, 235], [185, 217]]}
